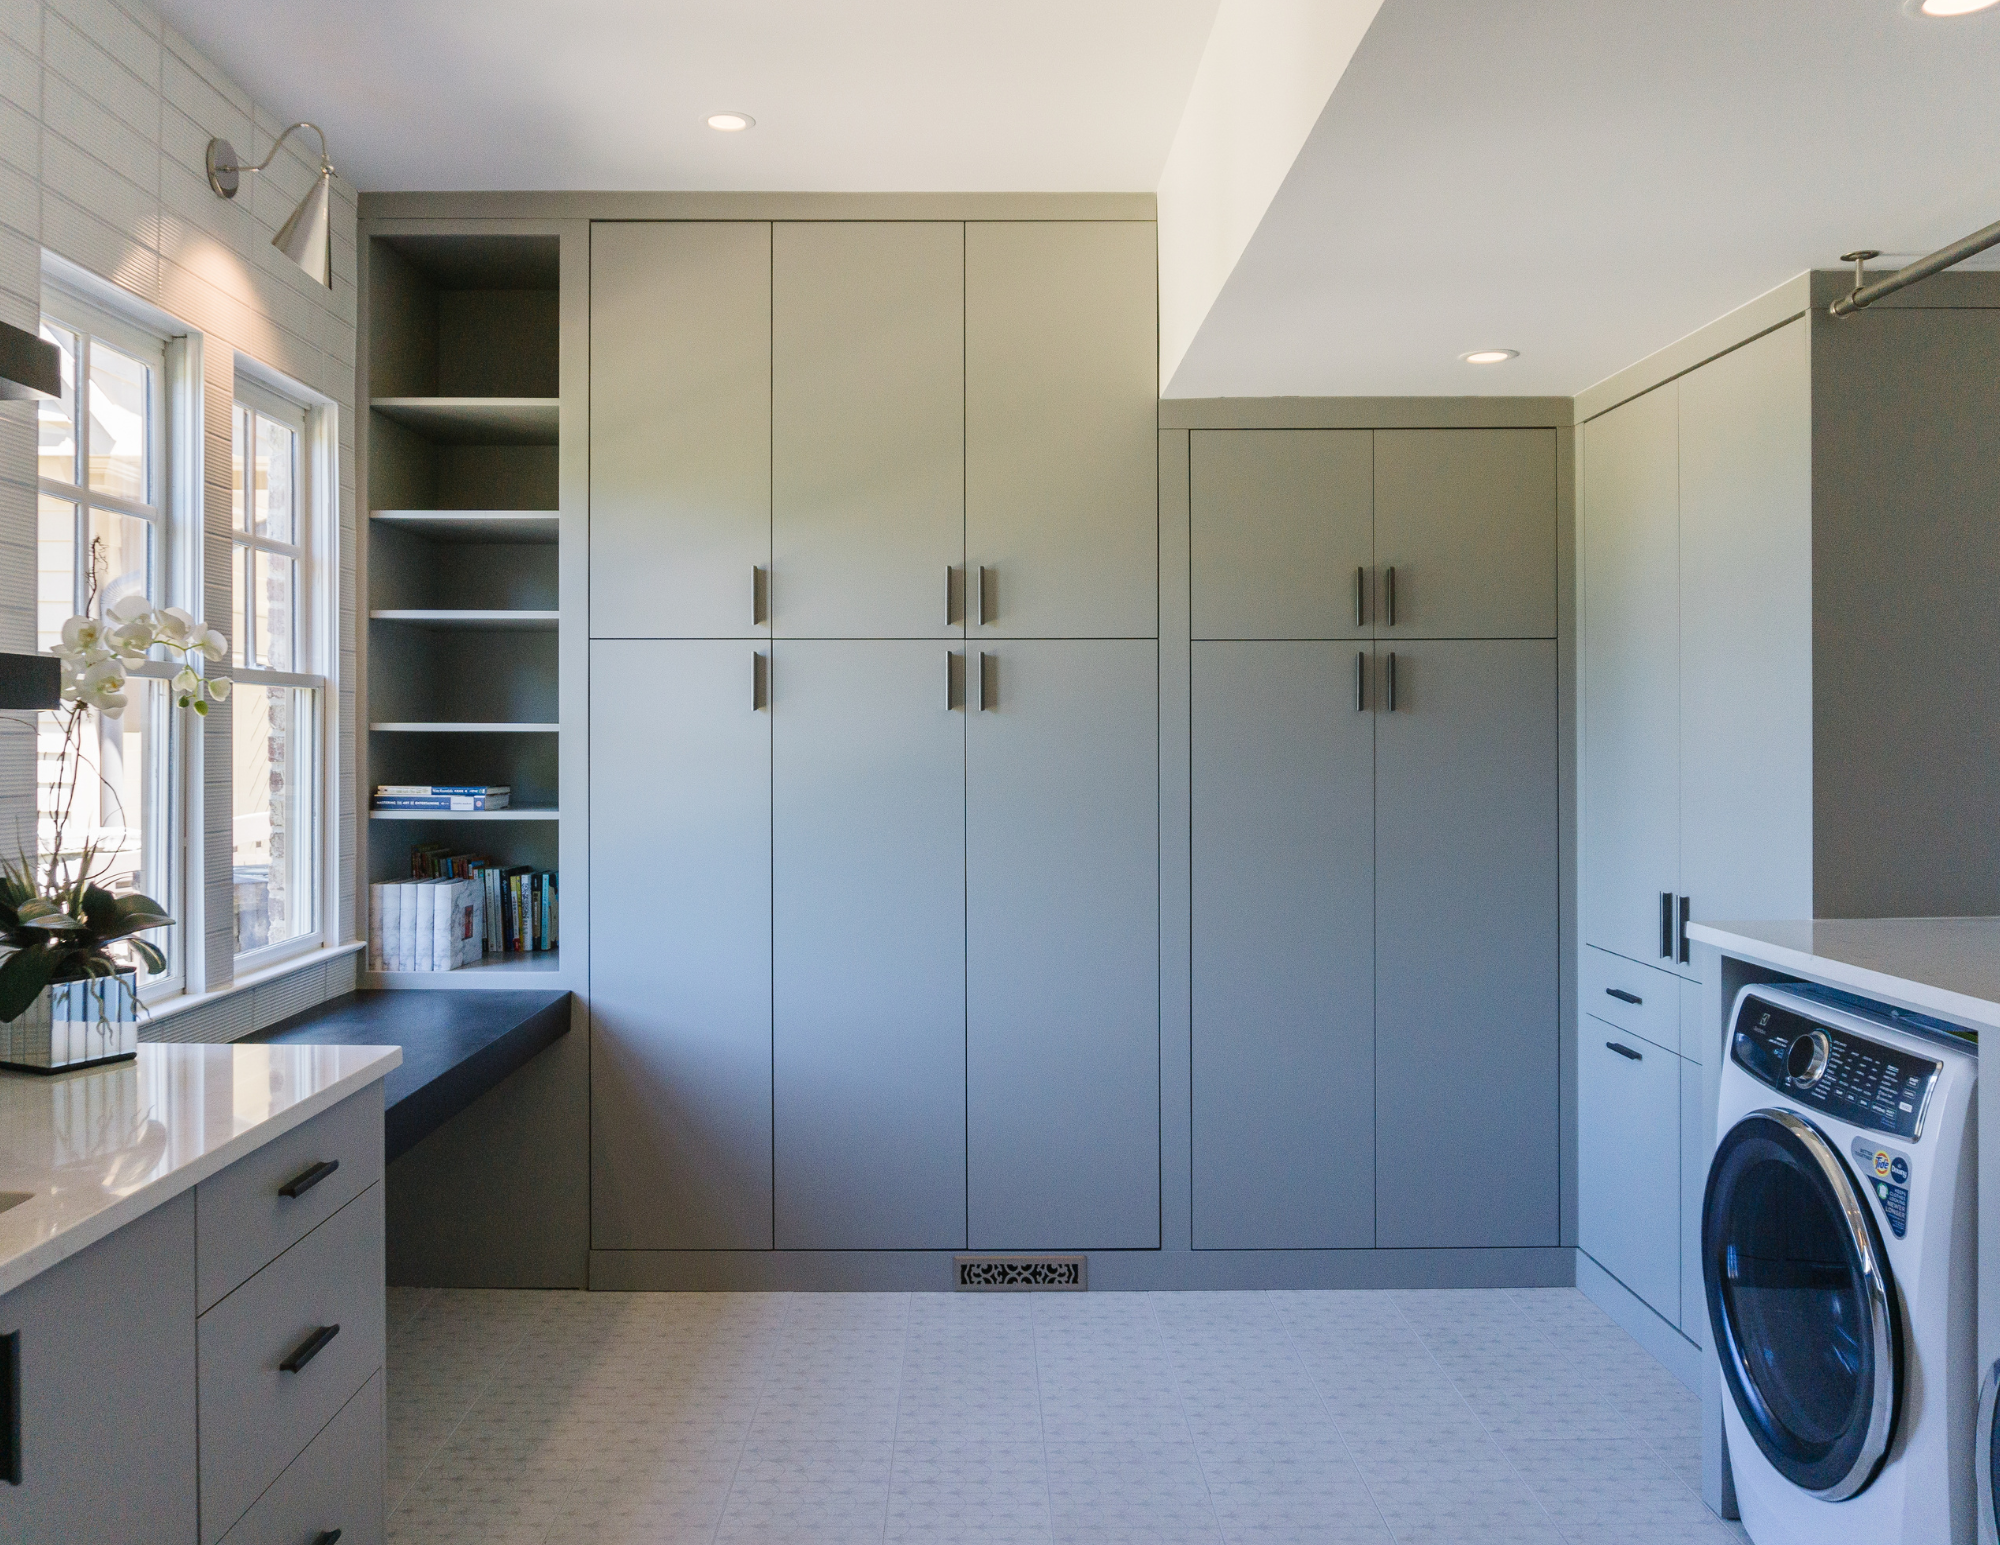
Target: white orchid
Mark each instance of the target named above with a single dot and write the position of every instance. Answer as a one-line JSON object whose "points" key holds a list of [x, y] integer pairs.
{"points": [[177, 629], [80, 635], [101, 686], [185, 679], [132, 640], [130, 608], [212, 644], [218, 689]]}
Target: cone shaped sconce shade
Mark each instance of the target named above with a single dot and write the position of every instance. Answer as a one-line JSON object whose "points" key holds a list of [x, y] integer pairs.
{"points": [[307, 237]]}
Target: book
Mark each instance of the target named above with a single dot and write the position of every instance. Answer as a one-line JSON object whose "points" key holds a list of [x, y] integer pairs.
{"points": [[375, 893], [424, 790], [405, 954], [441, 803], [421, 931]]}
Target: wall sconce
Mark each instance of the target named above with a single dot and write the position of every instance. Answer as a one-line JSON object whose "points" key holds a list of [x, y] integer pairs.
{"points": [[306, 238]]}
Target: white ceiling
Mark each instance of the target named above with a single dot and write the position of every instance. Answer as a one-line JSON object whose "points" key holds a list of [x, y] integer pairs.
{"points": [[849, 95], [1586, 182]]}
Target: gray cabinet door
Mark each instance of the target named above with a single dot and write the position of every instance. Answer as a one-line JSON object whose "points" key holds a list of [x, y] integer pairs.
{"points": [[107, 1419], [1466, 946], [1062, 946], [680, 947], [1284, 948], [1282, 539], [1466, 520], [868, 429], [868, 856], [1746, 631], [1628, 1161], [1061, 410], [680, 427], [1629, 618]]}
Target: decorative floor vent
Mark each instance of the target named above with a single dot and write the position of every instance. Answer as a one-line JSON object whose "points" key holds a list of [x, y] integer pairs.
{"points": [[1020, 1273]]}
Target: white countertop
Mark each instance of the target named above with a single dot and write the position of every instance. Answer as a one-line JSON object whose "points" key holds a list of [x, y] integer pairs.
{"points": [[1945, 966], [97, 1148]]}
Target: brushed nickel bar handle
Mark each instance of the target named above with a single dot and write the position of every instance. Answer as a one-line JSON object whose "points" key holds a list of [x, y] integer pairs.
{"points": [[989, 681], [1360, 681], [760, 681], [949, 588], [1391, 704], [954, 694], [760, 595], [989, 595], [1389, 580], [1360, 596]]}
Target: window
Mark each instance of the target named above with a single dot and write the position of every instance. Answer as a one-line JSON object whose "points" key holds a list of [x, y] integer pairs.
{"points": [[276, 712], [103, 534]]}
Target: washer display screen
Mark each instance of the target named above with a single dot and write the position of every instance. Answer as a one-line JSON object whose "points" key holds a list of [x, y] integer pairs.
{"points": [[1848, 1076]]}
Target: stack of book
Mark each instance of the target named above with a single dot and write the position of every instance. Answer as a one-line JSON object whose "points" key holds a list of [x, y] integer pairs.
{"points": [[442, 796], [458, 908]]}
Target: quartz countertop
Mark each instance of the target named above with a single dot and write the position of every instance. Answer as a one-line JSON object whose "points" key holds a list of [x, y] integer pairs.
{"points": [[95, 1149], [1945, 966]]}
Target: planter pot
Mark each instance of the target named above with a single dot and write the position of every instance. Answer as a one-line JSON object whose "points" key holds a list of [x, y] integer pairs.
{"points": [[75, 1025]]}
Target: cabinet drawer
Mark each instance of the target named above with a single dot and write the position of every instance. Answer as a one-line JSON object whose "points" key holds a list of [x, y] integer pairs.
{"points": [[244, 1219], [1632, 997], [255, 1416], [335, 1484], [1628, 1162]]}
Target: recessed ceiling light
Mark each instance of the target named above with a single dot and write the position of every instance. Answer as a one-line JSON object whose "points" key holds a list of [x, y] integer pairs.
{"points": [[1492, 356], [1954, 7], [736, 123]]}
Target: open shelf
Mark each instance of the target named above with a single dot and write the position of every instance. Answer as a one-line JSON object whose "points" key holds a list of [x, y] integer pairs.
{"points": [[519, 621], [476, 420], [494, 972], [525, 527], [454, 728], [509, 814]]}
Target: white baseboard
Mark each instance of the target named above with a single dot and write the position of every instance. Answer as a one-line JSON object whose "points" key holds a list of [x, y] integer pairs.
{"points": [[1640, 1320]]}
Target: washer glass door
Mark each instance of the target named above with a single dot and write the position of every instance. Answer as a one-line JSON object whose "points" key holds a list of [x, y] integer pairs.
{"points": [[1800, 1300]]}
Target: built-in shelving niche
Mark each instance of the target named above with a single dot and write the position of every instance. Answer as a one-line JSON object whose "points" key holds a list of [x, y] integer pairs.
{"points": [[463, 551]]}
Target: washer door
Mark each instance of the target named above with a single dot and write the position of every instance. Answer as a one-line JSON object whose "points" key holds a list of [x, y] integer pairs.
{"points": [[1986, 1457], [1804, 1313]]}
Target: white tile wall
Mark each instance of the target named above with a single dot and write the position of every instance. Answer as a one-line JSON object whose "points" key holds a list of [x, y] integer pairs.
{"points": [[105, 118]]}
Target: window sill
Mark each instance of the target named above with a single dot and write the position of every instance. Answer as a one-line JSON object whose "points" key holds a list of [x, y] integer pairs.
{"points": [[270, 973]]}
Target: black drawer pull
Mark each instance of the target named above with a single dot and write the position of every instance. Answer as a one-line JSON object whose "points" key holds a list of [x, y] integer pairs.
{"points": [[1623, 1051], [1622, 995], [330, 1537], [298, 1185], [309, 1348], [10, 1408]]}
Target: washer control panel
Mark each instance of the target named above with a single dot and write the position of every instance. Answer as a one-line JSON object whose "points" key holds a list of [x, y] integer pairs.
{"points": [[1848, 1076]]}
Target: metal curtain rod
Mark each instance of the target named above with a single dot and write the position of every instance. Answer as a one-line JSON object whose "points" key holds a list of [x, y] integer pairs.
{"points": [[1867, 294]]}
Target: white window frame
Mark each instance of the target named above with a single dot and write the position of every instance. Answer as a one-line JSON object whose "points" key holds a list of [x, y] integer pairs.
{"points": [[313, 645], [166, 512]]}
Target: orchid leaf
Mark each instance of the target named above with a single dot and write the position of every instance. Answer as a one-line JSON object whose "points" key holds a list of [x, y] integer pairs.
{"points": [[23, 975], [155, 961]]}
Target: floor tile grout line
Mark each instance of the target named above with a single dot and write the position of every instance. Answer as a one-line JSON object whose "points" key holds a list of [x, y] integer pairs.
{"points": [[1285, 1322], [1180, 1402], [1041, 1419], [750, 1427], [1491, 1438], [1665, 1460], [471, 1403], [896, 1426]]}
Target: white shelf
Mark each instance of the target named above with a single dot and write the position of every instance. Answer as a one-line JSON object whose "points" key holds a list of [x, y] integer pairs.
{"points": [[509, 814], [463, 727], [519, 973], [528, 527], [512, 621], [476, 420]]}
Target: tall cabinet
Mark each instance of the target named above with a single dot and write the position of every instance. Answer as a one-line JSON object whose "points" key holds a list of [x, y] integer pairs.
{"points": [[1375, 834], [873, 585], [1785, 576]]}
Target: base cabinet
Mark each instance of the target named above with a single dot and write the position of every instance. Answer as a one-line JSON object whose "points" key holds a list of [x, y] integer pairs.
{"points": [[141, 1421], [1629, 1187], [106, 1429]]}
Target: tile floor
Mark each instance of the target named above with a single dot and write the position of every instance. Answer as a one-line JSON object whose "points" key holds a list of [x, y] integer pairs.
{"points": [[1150, 1418]]}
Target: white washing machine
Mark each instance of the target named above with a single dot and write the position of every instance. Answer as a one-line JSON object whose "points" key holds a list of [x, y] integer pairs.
{"points": [[1838, 1251]]}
